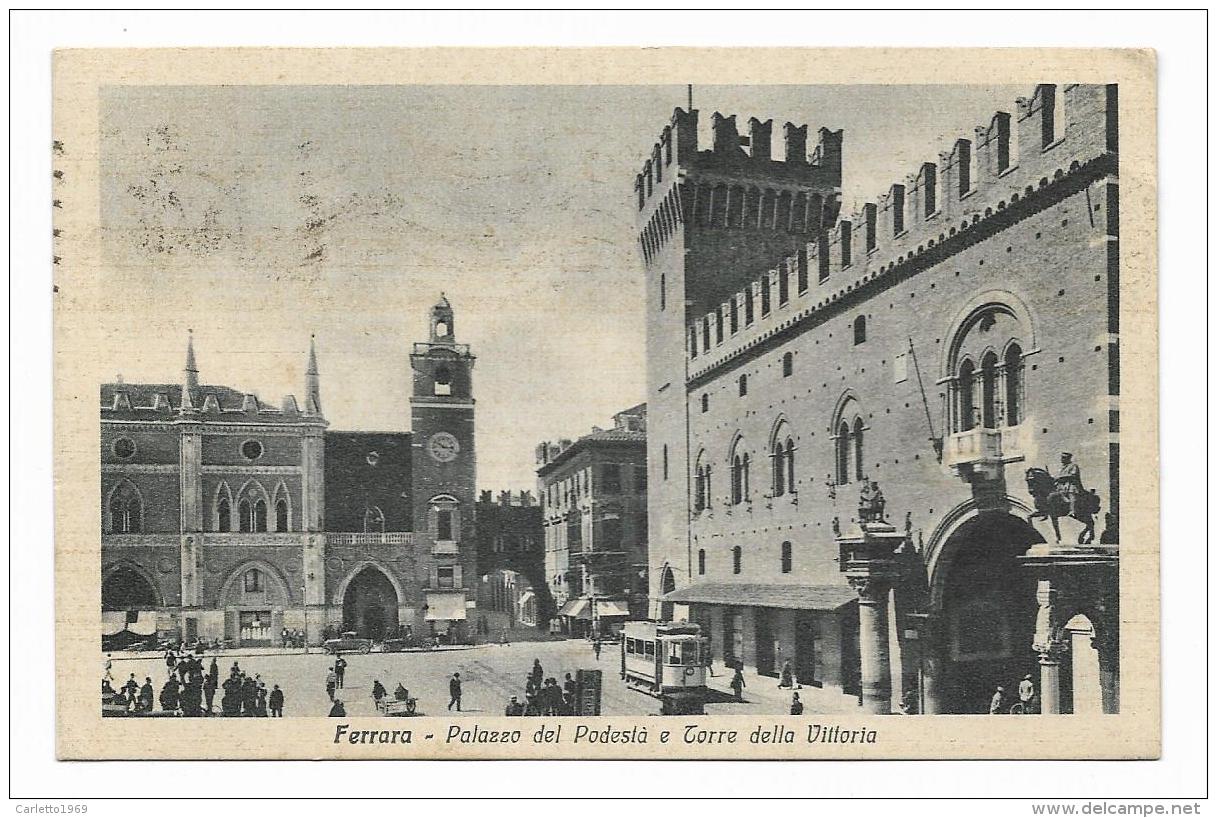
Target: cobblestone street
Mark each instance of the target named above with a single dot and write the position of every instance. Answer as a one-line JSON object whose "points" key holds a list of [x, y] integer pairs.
{"points": [[491, 674]]}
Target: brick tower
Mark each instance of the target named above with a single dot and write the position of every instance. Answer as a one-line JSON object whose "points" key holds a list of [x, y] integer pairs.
{"points": [[708, 222], [444, 471]]}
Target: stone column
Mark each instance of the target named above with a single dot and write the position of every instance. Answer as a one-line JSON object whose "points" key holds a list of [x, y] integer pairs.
{"points": [[1109, 671], [1048, 646], [190, 468], [873, 643], [932, 681], [1050, 681]]}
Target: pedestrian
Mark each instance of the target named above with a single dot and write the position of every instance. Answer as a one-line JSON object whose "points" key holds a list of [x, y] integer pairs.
{"points": [[709, 660], [998, 702], [130, 691], [337, 710], [787, 678], [170, 659], [109, 674], [260, 703], [249, 697], [331, 683], [738, 684], [191, 700], [514, 707], [209, 690], [796, 706], [1026, 693], [146, 695], [596, 649], [276, 703], [340, 670], [532, 706], [503, 640], [378, 694], [568, 687], [454, 690], [169, 697], [538, 674]]}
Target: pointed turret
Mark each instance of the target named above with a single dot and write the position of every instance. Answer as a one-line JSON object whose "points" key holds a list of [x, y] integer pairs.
{"points": [[190, 379], [312, 380]]}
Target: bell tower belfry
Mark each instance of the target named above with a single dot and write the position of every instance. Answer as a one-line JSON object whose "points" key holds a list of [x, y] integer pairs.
{"points": [[444, 473]]}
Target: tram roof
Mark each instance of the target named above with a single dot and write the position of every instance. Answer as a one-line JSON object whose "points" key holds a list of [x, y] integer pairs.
{"points": [[745, 594]]}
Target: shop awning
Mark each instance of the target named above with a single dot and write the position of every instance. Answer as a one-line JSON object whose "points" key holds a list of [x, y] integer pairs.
{"points": [[445, 606], [747, 594], [612, 607], [577, 608]]}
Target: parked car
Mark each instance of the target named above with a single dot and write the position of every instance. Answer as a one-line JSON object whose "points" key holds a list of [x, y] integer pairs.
{"points": [[348, 643]]}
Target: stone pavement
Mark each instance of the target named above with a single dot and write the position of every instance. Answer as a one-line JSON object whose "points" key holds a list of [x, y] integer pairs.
{"points": [[490, 675]]}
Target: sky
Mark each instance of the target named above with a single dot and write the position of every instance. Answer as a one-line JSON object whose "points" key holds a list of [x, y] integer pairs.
{"points": [[258, 216]]}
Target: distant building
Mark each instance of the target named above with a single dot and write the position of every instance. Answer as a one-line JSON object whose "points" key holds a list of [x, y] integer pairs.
{"points": [[224, 517], [594, 503], [511, 561]]}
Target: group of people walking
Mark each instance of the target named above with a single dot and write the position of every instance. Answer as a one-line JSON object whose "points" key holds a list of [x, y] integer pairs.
{"points": [[190, 690], [543, 696], [1028, 699]]}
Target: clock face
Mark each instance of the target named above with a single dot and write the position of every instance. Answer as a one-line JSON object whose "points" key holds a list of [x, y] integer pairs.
{"points": [[443, 447]]}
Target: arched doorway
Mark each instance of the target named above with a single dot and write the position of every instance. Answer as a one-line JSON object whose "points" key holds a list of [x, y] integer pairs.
{"points": [[986, 606], [369, 605], [1084, 693], [126, 589], [667, 584]]}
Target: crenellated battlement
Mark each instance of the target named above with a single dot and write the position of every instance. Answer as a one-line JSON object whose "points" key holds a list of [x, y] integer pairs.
{"points": [[736, 183], [1009, 167]]}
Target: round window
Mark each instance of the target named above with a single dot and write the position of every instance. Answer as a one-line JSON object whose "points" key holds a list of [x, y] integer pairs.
{"points": [[124, 447], [252, 449]]}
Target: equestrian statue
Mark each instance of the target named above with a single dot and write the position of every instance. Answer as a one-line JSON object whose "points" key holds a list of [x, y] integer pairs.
{"points": [[1063, 496]]}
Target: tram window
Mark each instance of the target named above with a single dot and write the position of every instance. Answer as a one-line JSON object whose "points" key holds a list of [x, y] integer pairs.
{"points": [[629, 646], [650, 648], [690, 653]]}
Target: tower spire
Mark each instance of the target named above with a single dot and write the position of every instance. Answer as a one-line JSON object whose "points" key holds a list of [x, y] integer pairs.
{"points": [[312, 380], [190, 379]]}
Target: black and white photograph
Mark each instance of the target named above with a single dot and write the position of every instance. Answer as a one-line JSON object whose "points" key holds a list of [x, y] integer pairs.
{"points": [[606, 404]]}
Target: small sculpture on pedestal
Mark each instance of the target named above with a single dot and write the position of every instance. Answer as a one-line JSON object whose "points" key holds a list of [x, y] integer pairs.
{"points": [[871, 503]]}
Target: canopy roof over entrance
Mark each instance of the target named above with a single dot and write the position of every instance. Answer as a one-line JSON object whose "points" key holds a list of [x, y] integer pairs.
{"points": [[798, 597]]}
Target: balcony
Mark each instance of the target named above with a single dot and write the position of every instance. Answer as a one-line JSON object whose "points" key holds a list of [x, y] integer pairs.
{"points": [[371, 538], [980, 453]]}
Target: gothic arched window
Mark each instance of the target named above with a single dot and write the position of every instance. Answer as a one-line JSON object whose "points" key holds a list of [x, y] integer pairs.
{"points": [[790, 465], [787, 558], [843, 453], [990, 408], [1014, 385], [779, 469], [701, 562], [737, 559], [126, 509], [245, 513], [260, 516], [860, 330], [859, 457], [224, 515], [849, 428], [281, 521], [967, 399]]}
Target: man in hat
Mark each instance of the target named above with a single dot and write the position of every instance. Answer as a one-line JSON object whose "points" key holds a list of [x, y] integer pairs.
{"points": [[454, 690], [1069, 482], [998, 702], [1026, 692]]}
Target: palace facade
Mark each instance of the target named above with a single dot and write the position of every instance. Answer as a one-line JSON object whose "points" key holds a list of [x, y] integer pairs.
{"points": [[225, 517], [846, 409]]}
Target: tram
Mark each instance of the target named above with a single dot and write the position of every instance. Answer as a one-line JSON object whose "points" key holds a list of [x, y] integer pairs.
{"points": [[662, 658]]}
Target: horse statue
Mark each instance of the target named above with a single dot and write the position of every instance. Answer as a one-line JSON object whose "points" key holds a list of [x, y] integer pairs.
{"points": [[1052, 502]]}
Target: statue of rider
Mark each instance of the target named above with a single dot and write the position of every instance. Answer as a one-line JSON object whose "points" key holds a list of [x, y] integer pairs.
{"points": [[1069, 483]]}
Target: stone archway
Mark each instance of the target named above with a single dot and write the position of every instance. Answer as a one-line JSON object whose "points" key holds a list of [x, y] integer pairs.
{"points": [[126, 588], [369, 604], [984, 607]]}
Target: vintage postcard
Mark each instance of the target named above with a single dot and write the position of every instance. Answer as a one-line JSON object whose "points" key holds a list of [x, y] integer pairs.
{"points": [[656, 404]]}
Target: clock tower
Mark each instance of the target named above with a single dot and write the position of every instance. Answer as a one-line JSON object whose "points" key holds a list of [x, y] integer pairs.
{"points": [[444, 475]]}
